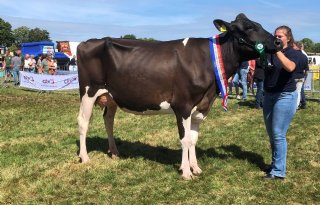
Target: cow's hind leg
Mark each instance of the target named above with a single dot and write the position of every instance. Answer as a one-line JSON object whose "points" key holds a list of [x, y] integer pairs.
{"points": [[192, 150], [84, 116], [108, 117], [185, 139]]}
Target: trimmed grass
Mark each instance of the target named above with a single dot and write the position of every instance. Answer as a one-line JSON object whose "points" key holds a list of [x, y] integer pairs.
{"points": [[39, 142]]}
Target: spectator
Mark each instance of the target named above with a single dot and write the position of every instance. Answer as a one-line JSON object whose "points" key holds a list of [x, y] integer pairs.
{"points": [[230, 84], [32, 64], [39, 65], [280, 101], [242, 74], [258, 78], [53, 64], [7, 66], [300, 75], [45, 63], [26, 65], [252, 67], [73, 64], [16, 65]]}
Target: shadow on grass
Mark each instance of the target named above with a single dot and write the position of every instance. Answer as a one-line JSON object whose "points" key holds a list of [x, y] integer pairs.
{"points": [[247, 103], [251, 157], [166, 155]]}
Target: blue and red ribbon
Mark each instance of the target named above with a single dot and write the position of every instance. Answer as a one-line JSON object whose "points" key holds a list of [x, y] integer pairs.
{"points": [[218, 68]]}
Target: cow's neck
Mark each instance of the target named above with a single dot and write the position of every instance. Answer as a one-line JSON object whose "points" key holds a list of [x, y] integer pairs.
{"points": [[230, 56]]}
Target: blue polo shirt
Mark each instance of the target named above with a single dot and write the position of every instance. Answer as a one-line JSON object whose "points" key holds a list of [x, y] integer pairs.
{"points": [[277, 79]]}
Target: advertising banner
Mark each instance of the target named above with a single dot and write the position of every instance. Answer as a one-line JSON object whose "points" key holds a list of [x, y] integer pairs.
{"points": [[308, 81], [49, 82]]}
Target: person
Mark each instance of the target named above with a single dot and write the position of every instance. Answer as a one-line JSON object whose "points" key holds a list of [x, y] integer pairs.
{"points": [[39, 65], [258, 78], [16, 65], [7, 66], [26, 65], [230, 85], [242, 74], [250, 77], [73, 64], [32, 64], [280, 100], [53, 67], [300, 75], [45, 63]]}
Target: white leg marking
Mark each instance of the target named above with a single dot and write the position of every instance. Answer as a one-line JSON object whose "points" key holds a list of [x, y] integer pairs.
{"points": [[185, 41], [186, 144], [192, 150], [84, 116]]}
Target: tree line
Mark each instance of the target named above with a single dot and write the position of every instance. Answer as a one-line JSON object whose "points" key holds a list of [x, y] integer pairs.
{"points": [[13, 38]]}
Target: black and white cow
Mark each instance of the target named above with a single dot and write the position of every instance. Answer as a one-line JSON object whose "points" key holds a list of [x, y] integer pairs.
{"points": [[162, 77]]}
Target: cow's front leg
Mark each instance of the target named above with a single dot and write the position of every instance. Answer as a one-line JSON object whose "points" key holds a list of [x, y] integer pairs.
{"points": [[192, 150], [185, 139], [108, 117], [84, 116]]}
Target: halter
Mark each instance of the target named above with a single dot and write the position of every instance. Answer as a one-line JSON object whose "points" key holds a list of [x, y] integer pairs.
{"points": [[259, 47]]}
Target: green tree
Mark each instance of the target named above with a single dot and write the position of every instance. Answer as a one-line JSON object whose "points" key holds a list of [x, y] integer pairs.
{"points": [[6, 36], [21, 35], [13, 47], [316, 48], [308, 44], [147, 39], [129, 36], [38, 34]]}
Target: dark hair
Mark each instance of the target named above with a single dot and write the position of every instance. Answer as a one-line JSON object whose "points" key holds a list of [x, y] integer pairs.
{"points": [[289, 34]]}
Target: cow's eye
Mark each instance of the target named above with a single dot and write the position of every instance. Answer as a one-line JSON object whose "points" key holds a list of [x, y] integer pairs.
{"points": [[249, 27]]}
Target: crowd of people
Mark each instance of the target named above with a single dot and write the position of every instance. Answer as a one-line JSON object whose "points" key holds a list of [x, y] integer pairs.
{"points": [[45, 64]]}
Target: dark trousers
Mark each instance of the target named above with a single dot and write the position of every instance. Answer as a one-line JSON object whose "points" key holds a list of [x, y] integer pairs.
{"points": [[259, 94], [303, 101]]}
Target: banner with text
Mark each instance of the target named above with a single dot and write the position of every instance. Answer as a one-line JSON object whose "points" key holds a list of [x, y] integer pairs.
{"points": [[49, 82], [308, 81]]}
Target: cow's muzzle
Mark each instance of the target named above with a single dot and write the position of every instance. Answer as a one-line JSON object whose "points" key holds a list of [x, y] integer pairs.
{"points": [[278, 44]]}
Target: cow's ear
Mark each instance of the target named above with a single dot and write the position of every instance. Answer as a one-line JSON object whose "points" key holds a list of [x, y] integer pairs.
{"points": [[221, 25], [241, 16]]}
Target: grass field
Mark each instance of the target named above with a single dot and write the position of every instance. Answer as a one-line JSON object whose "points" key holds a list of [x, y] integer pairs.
{"points": [[39, 142]]}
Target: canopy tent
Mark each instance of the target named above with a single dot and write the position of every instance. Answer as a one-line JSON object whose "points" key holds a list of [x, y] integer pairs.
{"points": [[37, 48], [42, 47]]}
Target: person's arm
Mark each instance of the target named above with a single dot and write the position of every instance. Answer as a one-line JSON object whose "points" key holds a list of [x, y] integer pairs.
{"points": [[286, 63]]}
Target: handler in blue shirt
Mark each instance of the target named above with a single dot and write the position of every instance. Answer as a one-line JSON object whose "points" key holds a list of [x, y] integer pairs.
{"points": [[280, 101]]}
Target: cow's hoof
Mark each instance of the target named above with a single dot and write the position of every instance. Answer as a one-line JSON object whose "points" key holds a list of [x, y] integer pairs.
{"points": [[84, 159], [113, 154], [187, 175], [196, 170]]}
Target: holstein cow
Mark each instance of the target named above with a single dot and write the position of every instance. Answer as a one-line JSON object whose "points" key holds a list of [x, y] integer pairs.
{"points": [[163, 77]]}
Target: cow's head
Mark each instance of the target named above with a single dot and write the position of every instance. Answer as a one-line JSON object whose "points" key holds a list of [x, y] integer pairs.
{"points": [[249, 35]]}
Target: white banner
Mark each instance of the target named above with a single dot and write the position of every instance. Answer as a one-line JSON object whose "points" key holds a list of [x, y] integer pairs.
{"points": [[49, 82], [308, 81]]}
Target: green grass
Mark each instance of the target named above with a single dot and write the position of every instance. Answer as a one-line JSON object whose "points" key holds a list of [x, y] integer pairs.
{"points": [[39, 142]]}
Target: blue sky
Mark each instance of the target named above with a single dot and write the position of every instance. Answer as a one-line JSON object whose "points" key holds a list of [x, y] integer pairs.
{"points": [[79, 20]]}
